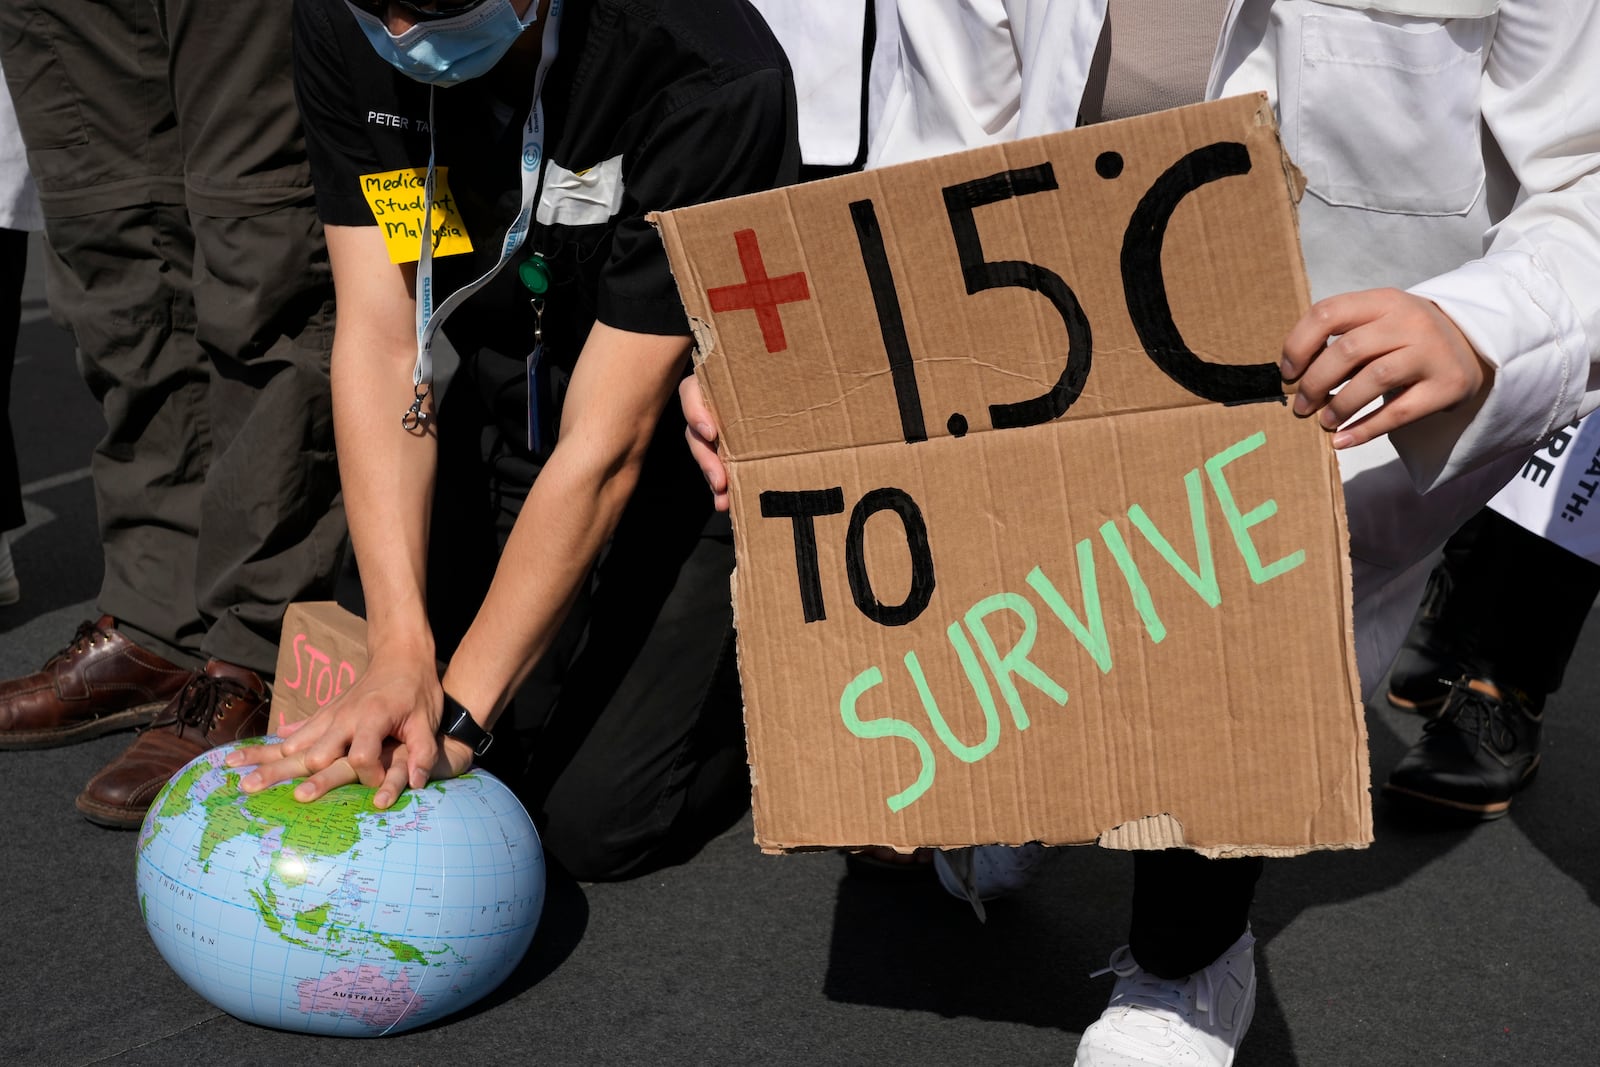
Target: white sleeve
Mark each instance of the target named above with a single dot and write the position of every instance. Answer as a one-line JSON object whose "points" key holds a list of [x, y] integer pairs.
{"points": [[945, 78], [954, 74], [1531, 303], [1055, 43], [825, 46]]}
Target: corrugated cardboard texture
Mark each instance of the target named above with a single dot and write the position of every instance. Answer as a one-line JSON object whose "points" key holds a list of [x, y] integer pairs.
{"points": [[1029, 545], [323, 649]]}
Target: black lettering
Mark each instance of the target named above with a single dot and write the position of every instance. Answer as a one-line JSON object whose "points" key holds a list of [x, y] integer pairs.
{"points": [[916, 531], [800, 508], [979, 274], [1145, 287], [891, 321], [1538, 470]]}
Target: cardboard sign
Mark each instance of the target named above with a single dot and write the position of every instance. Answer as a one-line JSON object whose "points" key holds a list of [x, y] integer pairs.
{"points": [[1029, 545], [322, 651]]}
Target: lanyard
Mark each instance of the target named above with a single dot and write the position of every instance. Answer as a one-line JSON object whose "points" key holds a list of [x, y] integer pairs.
{"points": [[429, 318]]}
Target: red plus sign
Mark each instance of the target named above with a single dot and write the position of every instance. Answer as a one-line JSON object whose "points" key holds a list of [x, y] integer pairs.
{"points": [[760, 293]]}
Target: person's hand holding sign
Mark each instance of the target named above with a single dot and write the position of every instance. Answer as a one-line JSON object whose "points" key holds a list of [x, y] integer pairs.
{"points": [[702, 437], [1376, 343], [1380, 343]]}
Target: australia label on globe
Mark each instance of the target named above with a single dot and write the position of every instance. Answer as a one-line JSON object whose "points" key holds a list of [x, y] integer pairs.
{"points": [[334, 917]]}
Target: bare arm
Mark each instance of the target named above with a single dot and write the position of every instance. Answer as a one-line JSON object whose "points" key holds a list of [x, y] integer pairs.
{"points": [[618, 389], [387, 477], [622, 382], [387, 471]]}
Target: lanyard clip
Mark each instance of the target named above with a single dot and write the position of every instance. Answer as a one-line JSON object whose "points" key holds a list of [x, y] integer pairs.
{"points": [[415, 419]]}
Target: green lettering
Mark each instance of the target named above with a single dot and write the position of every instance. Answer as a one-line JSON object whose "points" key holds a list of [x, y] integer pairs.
{"points": [[1135, 581], [1093, 636], [873, 729], [1014, 662], [1240, 523], [1205, 581], [980, 687]]}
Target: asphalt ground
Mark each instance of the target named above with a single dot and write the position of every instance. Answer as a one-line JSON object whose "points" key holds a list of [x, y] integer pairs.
{"points": [[1462, 945]]}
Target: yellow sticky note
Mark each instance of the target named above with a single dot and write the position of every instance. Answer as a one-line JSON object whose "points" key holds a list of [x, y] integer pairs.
{"points": [[396, 199]]}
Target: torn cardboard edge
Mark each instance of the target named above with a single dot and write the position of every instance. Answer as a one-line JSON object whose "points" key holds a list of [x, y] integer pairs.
{"points": [[1151, 833], [1333, 590]]}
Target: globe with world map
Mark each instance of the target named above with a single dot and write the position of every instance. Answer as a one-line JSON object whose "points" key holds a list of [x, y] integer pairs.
{"points": [[334, 917]]}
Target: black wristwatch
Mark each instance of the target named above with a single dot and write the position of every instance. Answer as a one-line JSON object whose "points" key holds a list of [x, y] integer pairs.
{"points": [[459, 724]]}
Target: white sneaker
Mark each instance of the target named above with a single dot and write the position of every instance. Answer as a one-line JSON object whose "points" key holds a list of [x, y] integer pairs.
{"points": [[985, 872], [10, 591], [1196, 1021]]}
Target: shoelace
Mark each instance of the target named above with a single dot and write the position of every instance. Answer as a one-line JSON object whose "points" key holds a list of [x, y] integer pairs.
{"points": [[1479, 714], [199, 702], [1153, 994], [83, 639]]}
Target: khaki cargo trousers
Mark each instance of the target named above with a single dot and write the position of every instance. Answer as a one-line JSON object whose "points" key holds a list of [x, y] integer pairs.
{"points": [[186, 258]]}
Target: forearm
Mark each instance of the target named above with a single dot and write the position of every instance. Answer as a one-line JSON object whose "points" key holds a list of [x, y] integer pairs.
{"points": [[387, 473], [570, 513], [622, 382]]}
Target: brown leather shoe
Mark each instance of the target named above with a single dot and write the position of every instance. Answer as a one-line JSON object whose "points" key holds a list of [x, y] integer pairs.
{"points": [[99, 683], [222, 704]]}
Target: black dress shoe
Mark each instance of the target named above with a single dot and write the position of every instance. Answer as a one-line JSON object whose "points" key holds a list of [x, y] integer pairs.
{"points": [[1474, 757], [1420, 679]]}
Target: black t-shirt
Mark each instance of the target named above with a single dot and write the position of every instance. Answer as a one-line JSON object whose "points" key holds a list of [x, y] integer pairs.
{"points": [[650, 104]]}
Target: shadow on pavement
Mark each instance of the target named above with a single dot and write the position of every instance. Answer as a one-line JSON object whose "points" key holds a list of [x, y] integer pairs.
{"points": [[900, 942]]}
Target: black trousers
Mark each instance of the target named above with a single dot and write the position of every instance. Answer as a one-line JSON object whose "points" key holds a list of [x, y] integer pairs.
{"points": [[630, 730], [185, 255], [1506, 604], [1188, 909]]}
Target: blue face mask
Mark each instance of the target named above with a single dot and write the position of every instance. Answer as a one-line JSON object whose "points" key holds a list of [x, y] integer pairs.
{"points": [[450, 50]]}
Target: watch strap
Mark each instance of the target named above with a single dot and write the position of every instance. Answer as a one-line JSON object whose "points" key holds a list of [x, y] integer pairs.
{"points": [[459, 724]]}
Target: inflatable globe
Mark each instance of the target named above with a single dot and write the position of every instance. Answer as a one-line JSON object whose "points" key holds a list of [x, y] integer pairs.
{"points": [[334, 917]]}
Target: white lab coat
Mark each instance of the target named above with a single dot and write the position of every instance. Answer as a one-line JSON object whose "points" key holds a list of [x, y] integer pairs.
{"points": [[1382, 103], [825, 44]]}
